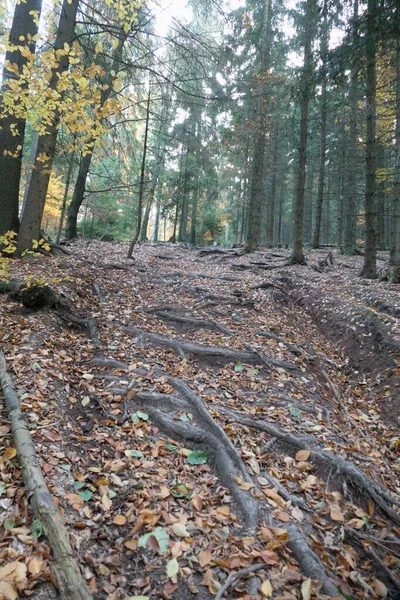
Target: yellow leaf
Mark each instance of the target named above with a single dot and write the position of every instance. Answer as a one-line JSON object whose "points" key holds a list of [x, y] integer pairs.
{"points": [[266, 589], [8, 569], [35, 566], [7, 591], [303, 455], [306, 589], [9, 453]]}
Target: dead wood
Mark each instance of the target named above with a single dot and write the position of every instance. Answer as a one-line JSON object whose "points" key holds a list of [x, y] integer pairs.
{"points": [[34, 297], [71, 584], [208, 353], [294, 348], [110, 363]]}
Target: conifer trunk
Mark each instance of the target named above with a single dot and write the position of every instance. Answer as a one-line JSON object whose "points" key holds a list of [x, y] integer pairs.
{"points": [[369, 267]]}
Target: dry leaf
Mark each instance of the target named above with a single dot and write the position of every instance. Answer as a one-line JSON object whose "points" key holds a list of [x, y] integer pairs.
{"points": [[180, 530], [197, 502], [266, 589], [379, 588], [172, 568], [205, 557], [131, 544], [9, 453], [35, 566], [283, 516], [336, 514], [303, 455], [119, 520], [306, 589], [7, 591]]}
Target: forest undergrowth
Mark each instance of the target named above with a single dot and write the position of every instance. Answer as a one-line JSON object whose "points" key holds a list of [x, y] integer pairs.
{"points": [[208, 426]]}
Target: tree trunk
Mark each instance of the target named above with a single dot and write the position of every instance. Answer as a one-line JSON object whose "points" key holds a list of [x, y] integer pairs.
{"points": [[297, 256], [185, 204], [324, 106], [65, 197], [261, 119], [369, 267], [142, 174], [351, 192], [395, 220], [272, 200], [36, 196], [71, 229], [12, 128]]}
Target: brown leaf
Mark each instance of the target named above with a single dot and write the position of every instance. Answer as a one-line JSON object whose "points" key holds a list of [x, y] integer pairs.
{"points": [[35, 566], [336, 514], [303, 455], [119, 520], [197, 502], [379, 588], [205, 557]]}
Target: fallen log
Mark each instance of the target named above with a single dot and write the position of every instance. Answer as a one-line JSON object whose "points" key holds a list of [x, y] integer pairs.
{"points": [[71, 583]]}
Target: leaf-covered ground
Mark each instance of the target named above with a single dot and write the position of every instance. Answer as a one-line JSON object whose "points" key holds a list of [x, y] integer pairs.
{"points": [[210, 427]]}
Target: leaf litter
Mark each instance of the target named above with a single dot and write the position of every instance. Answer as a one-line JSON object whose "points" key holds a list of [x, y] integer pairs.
{"points": [[149, 512]]}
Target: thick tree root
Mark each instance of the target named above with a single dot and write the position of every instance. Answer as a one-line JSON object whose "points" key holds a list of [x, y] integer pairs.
{"points": [[194, 323], [230, 466], [207, 353], [205, 432], [71, 583], [337, 463]]}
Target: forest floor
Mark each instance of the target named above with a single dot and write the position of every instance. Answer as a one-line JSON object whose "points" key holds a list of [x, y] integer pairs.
{"points": [[230, 430]]}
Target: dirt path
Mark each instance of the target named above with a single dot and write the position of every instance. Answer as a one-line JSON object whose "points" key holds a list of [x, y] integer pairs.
{"points": [[211, 430]]}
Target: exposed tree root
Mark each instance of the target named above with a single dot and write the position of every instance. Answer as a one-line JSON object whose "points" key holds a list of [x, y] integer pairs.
{"points": [[196, 323], [346, 468], [98, 293], [235, 576], [84, 323], [219, 250], [367, 545], [229, 465], [228, 462], [71, 583], [208, 353]]}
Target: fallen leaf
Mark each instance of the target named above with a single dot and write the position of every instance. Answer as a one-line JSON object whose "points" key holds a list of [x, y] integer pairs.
{"points": [[35, 566], [119, 520], [379, 588], [303, 455], [306, 589], [336, 514], [9, 454], [7, 591], [205, 557], [180, 530], [172, 568], [266, 589]]}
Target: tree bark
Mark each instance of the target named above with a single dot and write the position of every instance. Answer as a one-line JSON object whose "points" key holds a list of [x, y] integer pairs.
{"points": [[395, 221], [36, 196], [297, 256], [65, 198], [351, 191], [71, 229], [324, 111], [261, 119], [369, 267], [142, 174], [12, 126]]}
